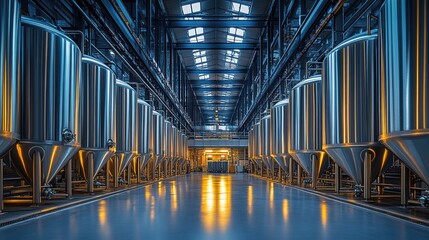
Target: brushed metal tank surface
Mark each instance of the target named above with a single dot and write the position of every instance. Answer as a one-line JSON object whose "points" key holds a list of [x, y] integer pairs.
{"points": [[157, 138], [144, 129], [404, 26], [97, 103], [351, 106], [168, 132], [10, 83], [126, 124], [51, 82], [250, 144], [306, 124], [257, 144], [174, 147], [265, 141], [279, 133]]}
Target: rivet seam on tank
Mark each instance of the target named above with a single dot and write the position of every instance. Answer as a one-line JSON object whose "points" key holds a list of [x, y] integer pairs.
{"points": [[68, 135]]}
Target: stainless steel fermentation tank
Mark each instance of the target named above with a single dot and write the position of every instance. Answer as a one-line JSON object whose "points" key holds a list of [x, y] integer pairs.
{"points": [[157, 139], [404, 26], [250, 145], [50, 71], [265, 143], [168, 136], [126, 117], [144, 129], [10, 100], [144, 126], [306, 127], [257, 144], [351, 108], [279, 135], [97, 103], [174, 147]]}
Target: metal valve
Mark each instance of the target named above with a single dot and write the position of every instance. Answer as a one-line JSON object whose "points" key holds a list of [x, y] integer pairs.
{"points": [[110, 143], [68, 135]]}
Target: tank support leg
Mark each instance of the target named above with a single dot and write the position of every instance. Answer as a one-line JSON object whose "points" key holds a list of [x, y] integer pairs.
{"points": [[314, 170], [115, 172], [337, 178], [129, 174], [290, 171], [1, 185], [106, 175], [90, 173], [37, 178], [139, 160], [299, 180], [405, 184], [69, 187], [280, 175], [367, 176]]}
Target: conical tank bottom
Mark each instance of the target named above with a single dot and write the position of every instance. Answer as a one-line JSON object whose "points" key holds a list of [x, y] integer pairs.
{"points": [[282, 161], [139, 164], [7, 140], [100, 158], [123, 160], [412, 148], [157, 160], [350, 158], [54, 158], [304, 160]]}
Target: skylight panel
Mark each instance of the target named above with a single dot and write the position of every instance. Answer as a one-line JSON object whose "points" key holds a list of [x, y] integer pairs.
{"points": [[239, 32], [191, 8], [240, 8], [230, 38], [195, 31], [203, 76]]}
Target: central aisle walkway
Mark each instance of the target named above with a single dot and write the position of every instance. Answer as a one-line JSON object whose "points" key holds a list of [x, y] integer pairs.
{"points": [[202, 206]]}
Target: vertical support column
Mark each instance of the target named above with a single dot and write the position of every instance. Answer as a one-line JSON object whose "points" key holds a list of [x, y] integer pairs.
{"points": [[106, 175], [90, 173], [280, 174], [159, 171], [37, 178], [115, 172], [1, 185], [367, 176], [299, 180], [337, 178], [69, 187], [314, 170], [405, 185], [129, 174]]}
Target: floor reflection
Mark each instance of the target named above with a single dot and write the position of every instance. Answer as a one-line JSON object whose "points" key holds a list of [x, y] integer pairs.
{"points": [[216, 203]]}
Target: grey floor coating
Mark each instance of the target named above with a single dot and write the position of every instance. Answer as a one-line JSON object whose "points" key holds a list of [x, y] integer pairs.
{"points": [[205, 206]]}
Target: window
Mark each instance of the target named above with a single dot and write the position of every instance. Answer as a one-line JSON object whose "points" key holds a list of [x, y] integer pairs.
{"points": [[198, 53], [240, 8], [228, 76], [191, 8], [203, 76], [236, 31], [195, 31]]}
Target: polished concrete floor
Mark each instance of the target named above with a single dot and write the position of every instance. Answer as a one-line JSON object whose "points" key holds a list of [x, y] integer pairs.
{"points": [[204, 206]]}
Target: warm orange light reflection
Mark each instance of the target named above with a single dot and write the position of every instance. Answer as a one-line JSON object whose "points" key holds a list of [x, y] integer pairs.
{"points": [[250, 200], [271, 196], [152, 208], [216, 203], [324, 214], [102, 212], [285, 210], [173, 197]]}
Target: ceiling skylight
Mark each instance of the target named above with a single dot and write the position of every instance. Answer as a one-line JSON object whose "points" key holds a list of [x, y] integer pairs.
{"points": [[203, 76], [198, 53], [236, 31], [195, 31], [228, 76], [200, 60], [191, 8], [240, 8]]}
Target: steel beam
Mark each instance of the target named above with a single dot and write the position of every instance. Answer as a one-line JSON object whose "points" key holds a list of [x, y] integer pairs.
{"points": [[216, 46], [215, 23], [217, 71]]}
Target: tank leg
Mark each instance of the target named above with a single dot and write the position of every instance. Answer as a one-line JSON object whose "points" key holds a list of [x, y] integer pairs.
{"points": [[115, 172], [37, 178], [129, 174], [367, 176], [69, 187], [90, 174], [299, 180], [1, 185], [337, 178], [107, 176], [290, 171], [139, 160], [405, 184], [314, 170], [280, 175]]}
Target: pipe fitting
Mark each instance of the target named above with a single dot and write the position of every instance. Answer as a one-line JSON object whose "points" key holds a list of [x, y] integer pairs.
{"points": [[68, 135]]}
